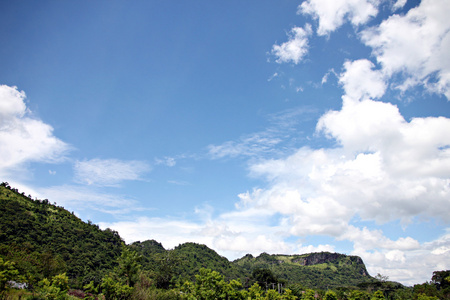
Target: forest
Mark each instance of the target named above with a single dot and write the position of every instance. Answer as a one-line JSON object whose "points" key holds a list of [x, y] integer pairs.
{"points": [[46, 252]]}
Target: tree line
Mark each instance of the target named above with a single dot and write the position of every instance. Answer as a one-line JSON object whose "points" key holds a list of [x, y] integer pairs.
{"points": [[47, 252]]}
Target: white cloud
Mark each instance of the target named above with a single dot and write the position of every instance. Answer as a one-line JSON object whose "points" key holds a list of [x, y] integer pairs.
{"points": [[333, 13], [233, 235], [365, 239], [361, 81], [382, 168], [228, 234], [12, 105], [399, 4], [274, 75], [415, 45], [295, 48], [265, 142], [108, 172], [87, 199], [24, 139], [170, 233], [409, 266], [312, 249], [247, 146], [325, 77], [167, 161]]}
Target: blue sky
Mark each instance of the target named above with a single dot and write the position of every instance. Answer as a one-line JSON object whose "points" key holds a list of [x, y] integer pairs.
{"points": [[248, 126]]}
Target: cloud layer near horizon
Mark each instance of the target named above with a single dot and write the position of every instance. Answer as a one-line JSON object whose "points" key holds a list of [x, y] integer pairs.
{"points": [[382, 168]]}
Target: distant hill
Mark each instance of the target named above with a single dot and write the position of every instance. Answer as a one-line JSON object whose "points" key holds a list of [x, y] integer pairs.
{"points": [[44, 240], [315, 270], [318, 270], [187, 259]]}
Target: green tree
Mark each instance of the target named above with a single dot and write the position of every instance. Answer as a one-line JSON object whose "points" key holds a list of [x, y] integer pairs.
{"points": [[114, 290], [165, 269], [118, 285], [359, 295], [381, 278], [264, 277], [56, 289], [129, 266], [234, 290], [61, 281], [330, 295], [309, 295], [208, 285], [378, 295], [7, 272], [441, 279], [91, 288], [422, 296], [403, 294], [288, 295], [272, 295], [255, 291], [426, 289]]}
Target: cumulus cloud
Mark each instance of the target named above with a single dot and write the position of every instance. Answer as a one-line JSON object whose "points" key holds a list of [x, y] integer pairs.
{"points": [[382, 167], [409, 266], [331, 14], [361, 81], [168, 232], [295, 48], [108, 172], [225, 233], [232, 235], [24, 139], [415, 45], [12, 104]]}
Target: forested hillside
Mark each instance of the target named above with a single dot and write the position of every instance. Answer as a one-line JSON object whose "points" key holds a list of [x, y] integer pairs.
{"points": [[318, 270], [44, 240], [55, 255]]}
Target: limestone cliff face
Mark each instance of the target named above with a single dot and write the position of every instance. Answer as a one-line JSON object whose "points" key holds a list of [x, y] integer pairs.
{"points": [[319, 270], [317, 258], [334, 258]]}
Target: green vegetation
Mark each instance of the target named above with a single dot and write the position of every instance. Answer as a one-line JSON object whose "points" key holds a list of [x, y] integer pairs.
{"points": [[54, 255], [44, 240], [316, 270]]}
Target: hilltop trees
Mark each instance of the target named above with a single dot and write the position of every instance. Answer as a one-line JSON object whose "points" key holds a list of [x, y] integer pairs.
{"points": [[44, 240], [56, 254], [442, 280]]}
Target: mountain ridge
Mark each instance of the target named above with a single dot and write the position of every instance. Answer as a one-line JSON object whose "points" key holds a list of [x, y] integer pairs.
{"points": [[46, 232]]}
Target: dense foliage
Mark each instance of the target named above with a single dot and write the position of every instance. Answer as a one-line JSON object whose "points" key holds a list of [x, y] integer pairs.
{"points": [[316, 270], [54, 255], [44, 240]]}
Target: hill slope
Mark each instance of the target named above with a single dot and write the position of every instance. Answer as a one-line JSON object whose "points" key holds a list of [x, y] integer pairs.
{"points": [[44, 240], [317, 270]]}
